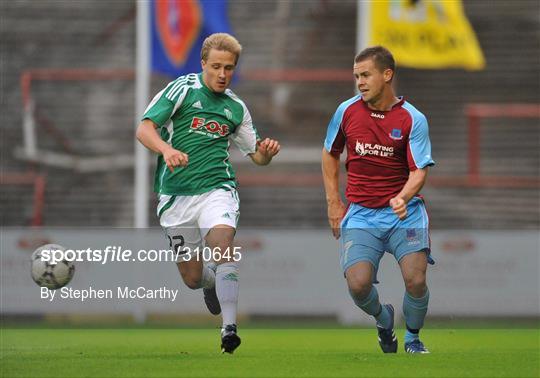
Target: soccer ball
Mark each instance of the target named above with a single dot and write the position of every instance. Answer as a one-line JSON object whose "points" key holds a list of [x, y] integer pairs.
{"points": [[46, 274]]}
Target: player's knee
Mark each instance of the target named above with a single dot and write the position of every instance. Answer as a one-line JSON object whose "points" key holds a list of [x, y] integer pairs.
{"points": [[192, 284], [192, 281], [359, 288], [220, 239], [416, 285]]}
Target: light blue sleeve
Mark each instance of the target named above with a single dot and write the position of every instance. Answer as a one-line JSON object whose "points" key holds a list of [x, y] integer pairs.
{"points": [[335, 123], [419, 143]]}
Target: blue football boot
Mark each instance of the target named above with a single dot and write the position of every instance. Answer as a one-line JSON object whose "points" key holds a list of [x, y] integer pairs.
{"points": [[415, 346]]}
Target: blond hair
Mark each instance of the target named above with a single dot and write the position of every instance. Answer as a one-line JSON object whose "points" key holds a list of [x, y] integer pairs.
{"points": [[221, 42]]}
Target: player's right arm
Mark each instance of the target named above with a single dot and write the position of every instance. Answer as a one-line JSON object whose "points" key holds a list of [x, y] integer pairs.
{"points": [[333, 147], [336, 207], [157, 114], [148, 136]]}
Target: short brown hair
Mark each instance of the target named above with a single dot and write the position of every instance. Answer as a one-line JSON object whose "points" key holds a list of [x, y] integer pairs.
{"points": [[221, 42], [382, 57]]}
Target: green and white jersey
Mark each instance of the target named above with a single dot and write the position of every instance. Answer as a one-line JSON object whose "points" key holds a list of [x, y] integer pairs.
{"points": [[199, 122]]}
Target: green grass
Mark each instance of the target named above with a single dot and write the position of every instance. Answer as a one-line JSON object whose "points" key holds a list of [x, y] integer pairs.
{"points": [[264, 353]]}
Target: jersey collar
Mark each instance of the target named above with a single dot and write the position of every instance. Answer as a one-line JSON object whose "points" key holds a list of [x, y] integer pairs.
{"points": [[396, 105]]}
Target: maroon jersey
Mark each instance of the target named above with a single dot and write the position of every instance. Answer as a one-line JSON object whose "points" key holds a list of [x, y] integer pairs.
{"points": [[382, 148]]}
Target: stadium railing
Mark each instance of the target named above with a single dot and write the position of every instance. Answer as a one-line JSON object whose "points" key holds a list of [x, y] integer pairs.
{"points": [[38, 182], [474, 112]]}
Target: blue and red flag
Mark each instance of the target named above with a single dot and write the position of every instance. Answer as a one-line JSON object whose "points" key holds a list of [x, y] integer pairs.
{"points": [[179, 28]]}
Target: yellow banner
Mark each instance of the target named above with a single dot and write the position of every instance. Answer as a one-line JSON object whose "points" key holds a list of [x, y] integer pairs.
{"points": [[426, 33]]}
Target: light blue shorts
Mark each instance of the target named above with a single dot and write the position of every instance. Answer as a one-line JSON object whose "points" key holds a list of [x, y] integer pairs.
{"points": [[366, 234]]}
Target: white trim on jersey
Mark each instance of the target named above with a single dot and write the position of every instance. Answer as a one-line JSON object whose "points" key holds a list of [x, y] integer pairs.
{"points": [[175, 92], [181, 97], [163, 199], [180, 83], [156, 98], [245, 136], [170, 129], [162, 175], [226, 160]]}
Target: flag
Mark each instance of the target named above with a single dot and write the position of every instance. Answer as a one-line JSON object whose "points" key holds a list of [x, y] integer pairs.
{"points": [[425, 33], [178, 29]]}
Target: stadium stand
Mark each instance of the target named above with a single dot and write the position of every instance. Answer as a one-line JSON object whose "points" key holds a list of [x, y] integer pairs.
{"points": [[92, 118]]}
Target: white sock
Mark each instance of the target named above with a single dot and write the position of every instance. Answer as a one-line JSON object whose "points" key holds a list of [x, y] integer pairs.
{"points": [[208, 279], [227, 291]]}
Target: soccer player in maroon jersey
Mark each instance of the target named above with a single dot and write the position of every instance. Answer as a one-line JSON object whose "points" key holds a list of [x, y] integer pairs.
{"points": [[388, 154]]}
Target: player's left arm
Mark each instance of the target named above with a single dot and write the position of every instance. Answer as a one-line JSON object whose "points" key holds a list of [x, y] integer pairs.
{"points": [[266, 150], [412, 187], [419, 159], [250, 144]]}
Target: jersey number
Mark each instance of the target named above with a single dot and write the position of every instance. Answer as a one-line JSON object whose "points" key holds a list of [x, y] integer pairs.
{"points": [[177, 247]]}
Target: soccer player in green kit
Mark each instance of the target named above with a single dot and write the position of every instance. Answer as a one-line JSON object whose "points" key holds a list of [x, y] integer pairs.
{"points": [[197, 115]]}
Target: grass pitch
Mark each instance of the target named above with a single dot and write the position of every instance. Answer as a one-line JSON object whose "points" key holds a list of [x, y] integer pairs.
{"points": [[264, 353]]}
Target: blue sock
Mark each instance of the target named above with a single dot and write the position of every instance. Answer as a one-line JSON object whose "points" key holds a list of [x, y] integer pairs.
{"points": [[415, 310], [383, 318], [410, 336], [372, 306]]}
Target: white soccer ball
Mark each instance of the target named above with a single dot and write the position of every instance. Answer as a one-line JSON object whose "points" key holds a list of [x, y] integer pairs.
{"points": [[46, 274]]}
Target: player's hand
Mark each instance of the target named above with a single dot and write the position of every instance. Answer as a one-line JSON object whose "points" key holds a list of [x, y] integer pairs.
{"points": [[336, 211], [269, 148], [174, 158], [399, 206]]}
